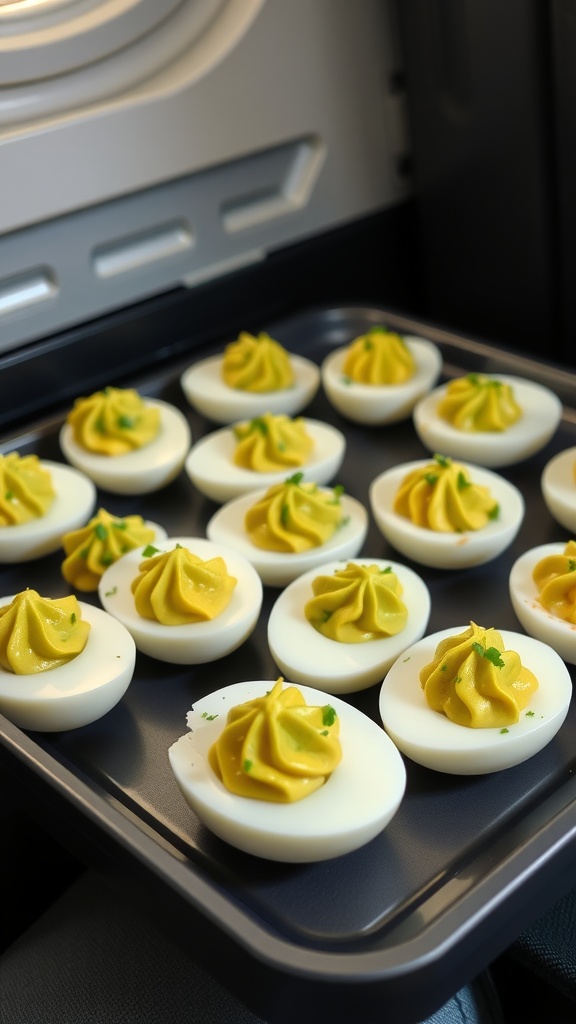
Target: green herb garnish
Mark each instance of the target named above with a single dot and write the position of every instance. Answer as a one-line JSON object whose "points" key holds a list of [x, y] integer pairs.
{"points": [[247, 766], [126, 422], [328, 715], [100, 531], [494, 511], [337, 493], [150, 550], [73, 618], [259, 424], [462, 483], [492, 654]]}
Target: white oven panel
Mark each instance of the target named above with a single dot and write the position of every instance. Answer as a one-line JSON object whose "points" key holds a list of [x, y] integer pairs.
{"points": [[150, 143]]}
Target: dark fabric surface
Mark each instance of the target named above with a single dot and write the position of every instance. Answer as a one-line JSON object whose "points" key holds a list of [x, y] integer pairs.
{"points": [[548, 948], [91, 959]]}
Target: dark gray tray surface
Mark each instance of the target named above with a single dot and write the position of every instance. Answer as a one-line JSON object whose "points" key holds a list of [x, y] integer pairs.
{"points": [[450, 832]]}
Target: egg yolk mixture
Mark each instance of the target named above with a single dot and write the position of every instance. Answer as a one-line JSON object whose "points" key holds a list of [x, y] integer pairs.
{"points": [[475, 682], [176, 587], [26, 490], [257, 364], [479, 403], [442, 497], [294, 516], [379, 357], [269, 443], [555, 577], [91, 549], [38, 634], [113, 421], [277, 747], [356, 604]]}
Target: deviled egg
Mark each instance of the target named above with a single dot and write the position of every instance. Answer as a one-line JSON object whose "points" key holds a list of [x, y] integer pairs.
{"points": [[304, 654], [93, 547], [460, 536], [196, 606], [432, 739], [558, 485], [462, 419], [373, 387], [52, 687], [254, 375], [70, 497], [542, 586], [344, 813], [211, 467], [280, 530], [125, 443]]}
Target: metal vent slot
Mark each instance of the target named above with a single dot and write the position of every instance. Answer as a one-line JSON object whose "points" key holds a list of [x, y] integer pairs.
{"points": [[139, 250], [26, 289], [285, 175]]}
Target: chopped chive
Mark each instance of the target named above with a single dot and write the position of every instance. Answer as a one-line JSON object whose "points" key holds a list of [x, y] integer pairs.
{"points": [[126, 422], [328, 715], [491, 654], [150, 550], [100, 531]]}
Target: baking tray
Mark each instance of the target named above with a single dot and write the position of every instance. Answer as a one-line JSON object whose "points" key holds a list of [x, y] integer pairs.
{"points": [[466, 863]]}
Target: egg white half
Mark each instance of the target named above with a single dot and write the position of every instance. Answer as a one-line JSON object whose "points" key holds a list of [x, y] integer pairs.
{"points": [[195, 642], [206, 391], [79, 692], [559, 488], [141, 471], [431, 739], [211, 469], [374, 404], [351, 808], [277, 568], [72, 506], [537, 620], [306, 656], [447, 550], [542, 411]]}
